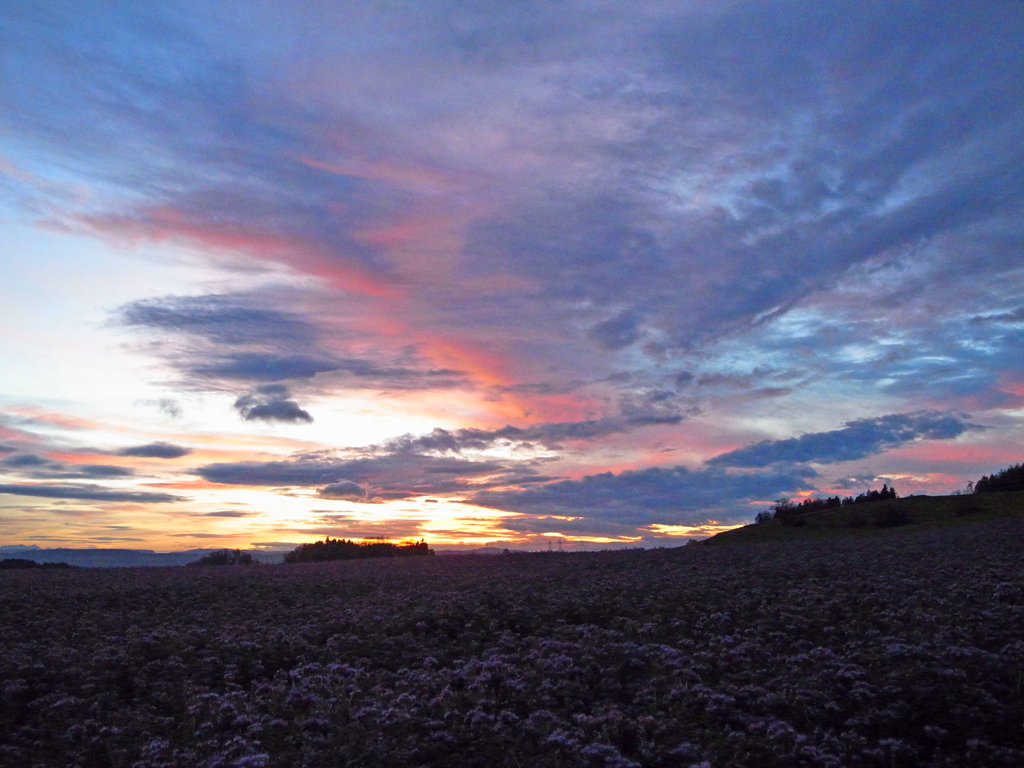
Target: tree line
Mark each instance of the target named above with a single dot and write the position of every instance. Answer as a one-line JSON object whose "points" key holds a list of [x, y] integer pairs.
{"points": [[12, 563], [786, 509], [1009, 479], [345, 549]]}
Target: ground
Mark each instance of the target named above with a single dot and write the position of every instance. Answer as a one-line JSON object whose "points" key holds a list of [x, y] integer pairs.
{"points": [[899, 648]]}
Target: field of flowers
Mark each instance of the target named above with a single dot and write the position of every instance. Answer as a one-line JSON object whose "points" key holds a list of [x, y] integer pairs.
{"points": [[902, 650]]}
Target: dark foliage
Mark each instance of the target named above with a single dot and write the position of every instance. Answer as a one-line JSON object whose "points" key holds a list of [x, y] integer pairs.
{"points": [[791, 514], [890, 517], [857, 519], [225, 557], [967, 506], [1009, 479], [20, 562], [868, 496], [344, 549]]}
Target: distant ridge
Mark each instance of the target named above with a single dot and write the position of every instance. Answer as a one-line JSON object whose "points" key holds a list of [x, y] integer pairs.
{"points": [[120, 558], [477, 551]]}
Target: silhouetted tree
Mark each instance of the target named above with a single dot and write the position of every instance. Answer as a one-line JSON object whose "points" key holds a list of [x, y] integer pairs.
{"points": [[871, 495], [1009, 479], [225, 557], [345, 549]]}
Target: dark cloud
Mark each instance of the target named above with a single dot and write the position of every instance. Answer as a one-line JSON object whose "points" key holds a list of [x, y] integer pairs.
{"points": [[649, 407], [683, 379], [344, 490], [157, 450], [87, 492], [228, 513], [7, 448], [230, 337], [666, 496], [856, 440], [25, 460], [257, 366], [271, 403], [86, 472], [618, 332], [32, 466], [226, 338], [394, 476], [644, 410], [221, 318], [1012, 317]]}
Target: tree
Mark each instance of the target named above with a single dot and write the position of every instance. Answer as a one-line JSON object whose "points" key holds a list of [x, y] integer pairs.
{"points": [[225, 557], [345, 549], [1009, 479]]}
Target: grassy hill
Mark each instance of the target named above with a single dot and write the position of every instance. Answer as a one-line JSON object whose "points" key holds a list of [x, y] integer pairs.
{"points": [[881, 518]]}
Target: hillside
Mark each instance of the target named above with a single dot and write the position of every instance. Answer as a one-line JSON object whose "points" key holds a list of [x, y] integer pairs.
{"points": [[880, 518]]}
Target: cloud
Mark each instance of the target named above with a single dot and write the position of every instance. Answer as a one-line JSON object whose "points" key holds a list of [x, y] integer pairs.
{"points": [[651, 406], [667, 496], [271, 403], [672, 183], [228, 513], [256, 366], [157, 450], [645, 410], [227, 338], [220, 318], [1012, 317], [87, 492], [25, 460], [34, 466], [344, 490], [170, 407], [856, 440], [396, 476], [85, 472], [7, 448], [616, 333]]}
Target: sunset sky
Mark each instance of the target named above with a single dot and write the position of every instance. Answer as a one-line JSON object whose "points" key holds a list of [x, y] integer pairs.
{"points": [[500, 272]]}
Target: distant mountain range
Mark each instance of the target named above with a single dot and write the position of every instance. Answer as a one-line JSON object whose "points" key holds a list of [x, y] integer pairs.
{"points": [[127, 558], [120, 558]]}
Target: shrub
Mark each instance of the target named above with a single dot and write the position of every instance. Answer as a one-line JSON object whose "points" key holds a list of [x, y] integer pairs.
{"points": [[890, 517], [225, 557], [966, 506], [857, 520]]}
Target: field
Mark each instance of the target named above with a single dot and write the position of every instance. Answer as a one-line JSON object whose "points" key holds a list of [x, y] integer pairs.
{"points": [[903, 649]]}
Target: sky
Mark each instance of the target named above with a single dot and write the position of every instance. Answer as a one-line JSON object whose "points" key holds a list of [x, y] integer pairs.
{"points": [[594, 273]]}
